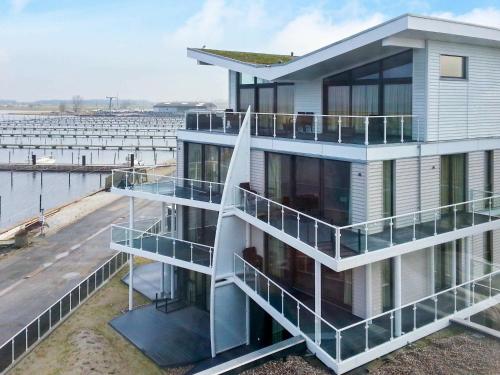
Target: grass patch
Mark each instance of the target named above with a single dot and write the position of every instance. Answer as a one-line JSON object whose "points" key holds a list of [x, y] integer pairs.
{"points": [[250, 57], [85, 343]]}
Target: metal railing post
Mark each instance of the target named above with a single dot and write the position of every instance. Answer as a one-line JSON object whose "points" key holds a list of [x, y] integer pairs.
{"points": [[294, 126], [385, 129], [274, 125], [366, 130], [402, 128], [337, 243], [340, 129], [224, 122], [315, 128]]}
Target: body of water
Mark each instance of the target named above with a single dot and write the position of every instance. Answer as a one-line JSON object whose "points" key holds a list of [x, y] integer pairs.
{"points": [[20, 192]]}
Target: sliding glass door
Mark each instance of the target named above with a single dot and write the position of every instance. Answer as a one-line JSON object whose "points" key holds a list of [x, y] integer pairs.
{"points": [[453, 179], [383, 87]]}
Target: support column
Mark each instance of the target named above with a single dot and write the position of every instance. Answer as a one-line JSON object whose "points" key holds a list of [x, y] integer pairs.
{"points": [[317, 301], [131, 259], [248, 238], [247, 313], [172, 282], [368, 291], [397, 295], [468, 266], [432, 269], [163, 224], [162, 279], [454, 263], [173, 220]]}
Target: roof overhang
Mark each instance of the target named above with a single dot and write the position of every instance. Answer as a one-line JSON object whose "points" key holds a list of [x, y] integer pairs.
{"points": [[407, 31]]}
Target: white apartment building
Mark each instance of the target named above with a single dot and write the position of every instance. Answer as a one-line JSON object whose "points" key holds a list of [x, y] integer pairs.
{"points": [[350, 196]]}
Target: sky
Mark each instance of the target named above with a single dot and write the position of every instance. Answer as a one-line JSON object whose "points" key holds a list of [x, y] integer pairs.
{"points": [[54, 49]]}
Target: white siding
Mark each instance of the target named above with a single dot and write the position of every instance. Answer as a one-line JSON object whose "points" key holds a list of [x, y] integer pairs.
{"points": [[257, 171], [358, 292], [376, 288], [375, 190], [430, 175], [308, 96], [496, 246], [477, 255], [419, 91], [475, 173], [257, 239], [232, 90], [414, 280], [180, 159], [406, 189], [463, 108], [496, 171], [358, 192]]}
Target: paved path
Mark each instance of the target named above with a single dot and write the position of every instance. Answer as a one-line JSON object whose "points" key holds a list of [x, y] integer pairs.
{"points": [[34, 278]]}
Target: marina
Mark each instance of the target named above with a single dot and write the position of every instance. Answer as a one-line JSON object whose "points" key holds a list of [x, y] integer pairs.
{"points": [[50, 160]]}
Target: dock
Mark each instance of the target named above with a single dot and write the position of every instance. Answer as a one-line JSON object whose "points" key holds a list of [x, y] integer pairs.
{"points": [[25, 167]]}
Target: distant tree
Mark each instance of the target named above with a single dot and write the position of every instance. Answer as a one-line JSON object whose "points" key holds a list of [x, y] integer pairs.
{"points": [[77, 103], [62, 107]]}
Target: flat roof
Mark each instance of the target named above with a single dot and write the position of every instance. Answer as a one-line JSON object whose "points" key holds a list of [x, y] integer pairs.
{"points": [[395, 35], [255, 58]]}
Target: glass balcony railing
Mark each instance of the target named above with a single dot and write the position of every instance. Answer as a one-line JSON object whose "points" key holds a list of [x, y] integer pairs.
{"points": [[163, 245], [317, 234], [396, 230], [289, 307], [351, 240], [204, 191], [314, 127], [342, 343]]}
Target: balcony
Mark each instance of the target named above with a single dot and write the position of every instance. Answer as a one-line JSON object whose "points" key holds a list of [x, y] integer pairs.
{"points": [[346, 347], [356, 244], [363, 130], [184, 191], [161, 247]]}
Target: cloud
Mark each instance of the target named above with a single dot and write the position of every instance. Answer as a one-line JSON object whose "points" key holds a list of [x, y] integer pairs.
{"points": [[18, 6], [315, 29], [481, 16]]}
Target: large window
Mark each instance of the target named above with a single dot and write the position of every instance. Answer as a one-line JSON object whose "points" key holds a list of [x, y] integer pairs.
{"points": [[453, 66], [200, 225], [383, 87], [388, 187], [206, 162], [264, 96], [318, 187], [453, 179], [295, 272], [488, 172]]}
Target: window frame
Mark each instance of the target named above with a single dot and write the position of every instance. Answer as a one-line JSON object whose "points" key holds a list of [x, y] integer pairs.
{"points": [[256, 86], [465, 65]]}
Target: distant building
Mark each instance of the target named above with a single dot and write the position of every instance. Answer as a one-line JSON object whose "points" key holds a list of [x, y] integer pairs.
{"points": [[181, 107]]}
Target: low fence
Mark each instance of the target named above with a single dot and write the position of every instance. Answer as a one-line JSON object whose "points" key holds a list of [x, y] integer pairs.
{"points": [[40, 327]]}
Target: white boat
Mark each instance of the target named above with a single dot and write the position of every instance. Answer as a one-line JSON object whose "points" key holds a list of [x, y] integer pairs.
{"points": [[46, 160]]}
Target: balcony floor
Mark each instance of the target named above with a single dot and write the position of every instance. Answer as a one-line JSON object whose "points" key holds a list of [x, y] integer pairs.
{"points": [[173, 339], [181, 251], [168, 188], [354, 241]]}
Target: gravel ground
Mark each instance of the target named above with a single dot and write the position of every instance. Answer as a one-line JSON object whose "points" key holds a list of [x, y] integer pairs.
{"points": [[462, 353], [451, 351], [293, 365]]}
